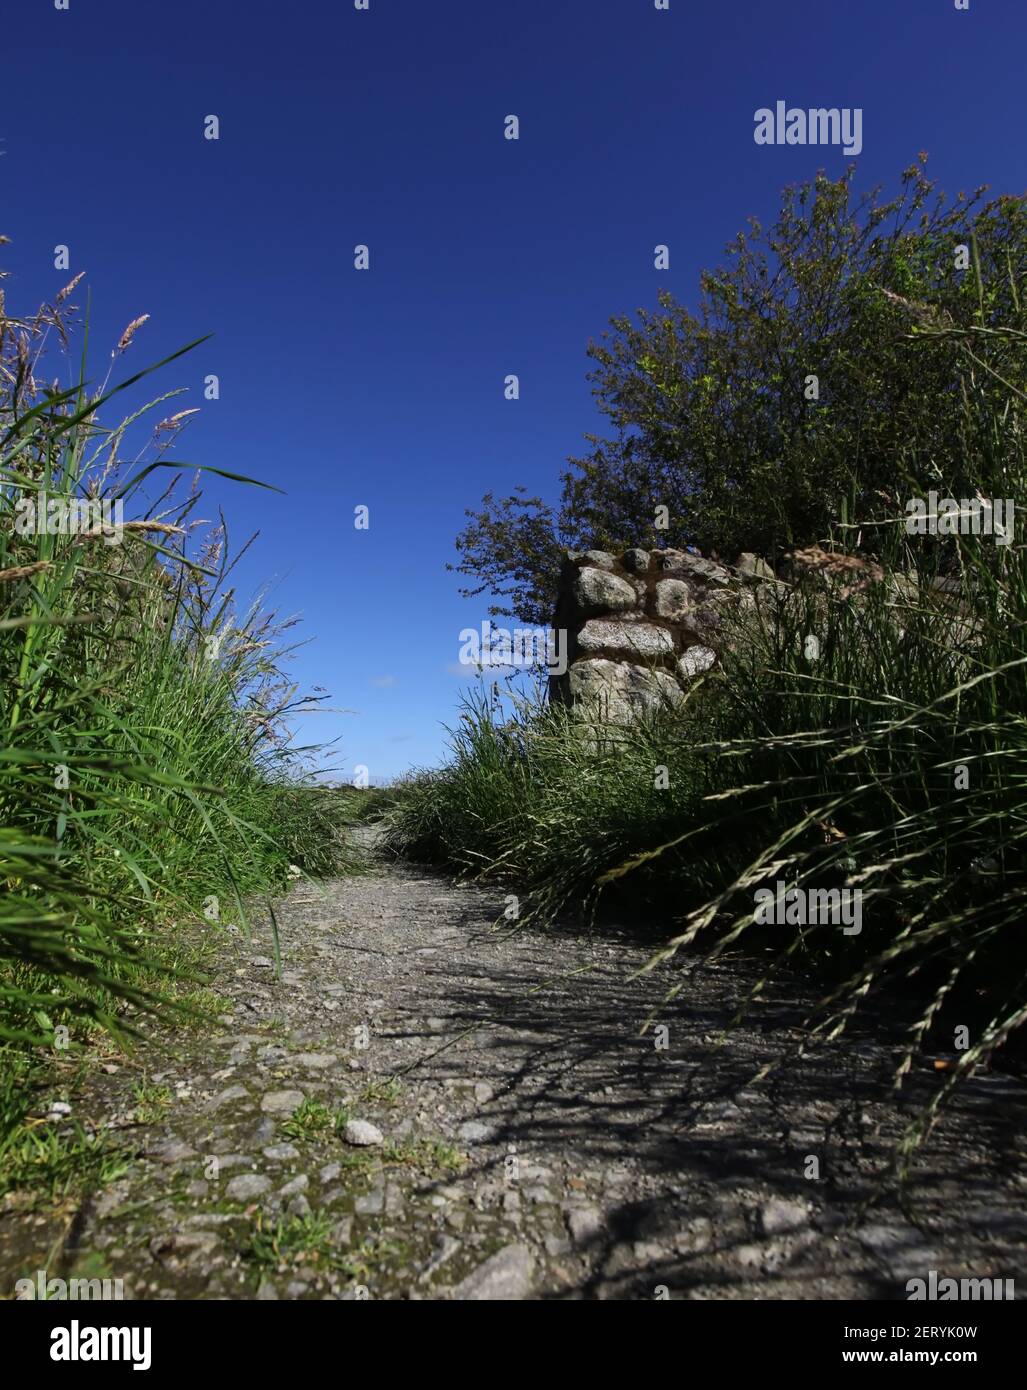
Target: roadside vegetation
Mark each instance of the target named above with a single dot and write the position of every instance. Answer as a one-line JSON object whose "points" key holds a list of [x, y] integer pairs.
{"points": [[889, 755], [147, 779]]}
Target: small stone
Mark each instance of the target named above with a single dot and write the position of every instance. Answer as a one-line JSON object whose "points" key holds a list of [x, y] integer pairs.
{"points": [[226, 1161], [445, 1250], [299, 1207], [695, 1237], [329, 1173], [584, 1223], [173, 1151], [246, 1186], [682, 562], [281, 1153], [754, 566], [298, 1184], [185, 1244], [370, 1203], [538, 1194], [342, 1230], [749, 1256], [781, 1214], [637, 561], [282, 1102], [267, 1292], [362, 1133], [316, 1061], [475, 1132], [695, 661], [508, 1275], [226, 1097]]}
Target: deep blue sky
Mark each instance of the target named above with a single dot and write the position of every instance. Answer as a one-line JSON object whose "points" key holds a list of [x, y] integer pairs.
{"points": [[488, 256]]}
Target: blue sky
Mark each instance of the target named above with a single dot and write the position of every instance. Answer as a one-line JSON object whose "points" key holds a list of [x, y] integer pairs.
{"points": [[385, 127]]}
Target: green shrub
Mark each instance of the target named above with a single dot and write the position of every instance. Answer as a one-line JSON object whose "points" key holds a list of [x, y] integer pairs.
{"points": [[888, 757]]}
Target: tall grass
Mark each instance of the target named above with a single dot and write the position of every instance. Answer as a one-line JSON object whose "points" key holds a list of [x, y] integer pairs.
{"points": [[889, 757], [145, 767]]}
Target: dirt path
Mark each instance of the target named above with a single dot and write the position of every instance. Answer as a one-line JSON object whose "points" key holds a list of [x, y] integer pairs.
{"points": [[535, 1145]]}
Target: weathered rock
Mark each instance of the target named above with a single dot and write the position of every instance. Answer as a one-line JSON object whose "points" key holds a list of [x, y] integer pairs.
{"points": [[619, 692], [282, 1102], [751, 565], [682, 562], [783, 1214], [173, 1151], [585, 1223], [508, 1275], [226, 1097], [637, 640], [695, 661], [281, 1153], [673, 598], [362, 1133], [246, 1186], [316, 1061], [636, 560], [184, 1245], [475, 1132], [595, 591]]}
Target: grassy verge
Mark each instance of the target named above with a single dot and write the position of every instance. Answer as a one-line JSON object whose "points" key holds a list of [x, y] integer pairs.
{"points": [[146, 773], [867, 731]]}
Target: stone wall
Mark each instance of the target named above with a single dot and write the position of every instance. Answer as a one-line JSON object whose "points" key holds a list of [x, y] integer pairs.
{"points": [[642, 626]]}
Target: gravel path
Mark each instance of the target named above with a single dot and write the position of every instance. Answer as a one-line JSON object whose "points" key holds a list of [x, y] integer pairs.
{"points": [[510, 1131]]}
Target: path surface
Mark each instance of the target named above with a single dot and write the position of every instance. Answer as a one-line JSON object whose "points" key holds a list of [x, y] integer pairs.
{"points": [[595, 1165]]}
